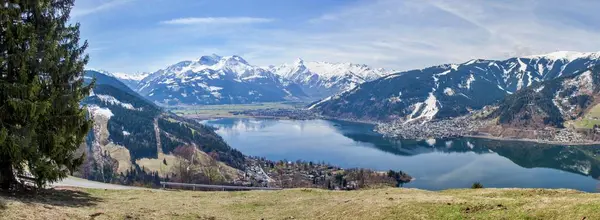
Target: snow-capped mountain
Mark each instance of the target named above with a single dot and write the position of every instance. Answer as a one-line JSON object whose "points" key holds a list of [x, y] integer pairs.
{"points": [[451, 89], [322, 79], [216, 80], [130, 79], [552, 102]]}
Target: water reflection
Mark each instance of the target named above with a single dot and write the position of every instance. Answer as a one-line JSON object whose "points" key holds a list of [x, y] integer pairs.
{"points": [[437, 164]]}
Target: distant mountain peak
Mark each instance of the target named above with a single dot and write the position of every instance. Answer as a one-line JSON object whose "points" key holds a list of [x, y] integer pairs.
{"points": [[323, 78], [215, 79], [566, 55], [210, 59], [235, 59]]}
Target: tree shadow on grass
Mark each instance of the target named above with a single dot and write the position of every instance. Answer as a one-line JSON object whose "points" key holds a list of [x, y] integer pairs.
{"points": [[53, 197], [2, 204]]}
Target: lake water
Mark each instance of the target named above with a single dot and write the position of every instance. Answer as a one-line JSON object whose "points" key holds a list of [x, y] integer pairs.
{"points": [[436, 164]]}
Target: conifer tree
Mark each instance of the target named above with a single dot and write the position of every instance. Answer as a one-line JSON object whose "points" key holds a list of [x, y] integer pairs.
{"points": [[41, 85]]}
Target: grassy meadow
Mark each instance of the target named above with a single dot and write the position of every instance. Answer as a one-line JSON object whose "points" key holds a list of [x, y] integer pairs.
{"points": [[386, 203]]}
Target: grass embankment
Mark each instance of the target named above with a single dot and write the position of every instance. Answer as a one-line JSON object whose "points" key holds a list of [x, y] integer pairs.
{"points": [[389, 203]]}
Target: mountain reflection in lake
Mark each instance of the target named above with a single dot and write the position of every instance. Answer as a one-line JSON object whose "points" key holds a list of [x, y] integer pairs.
{"points": [[436, 164]]}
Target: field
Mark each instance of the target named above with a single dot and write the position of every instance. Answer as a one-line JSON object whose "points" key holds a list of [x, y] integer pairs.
{"points": [[588, 120], [387, 203], [225, 110], [202, 159]]}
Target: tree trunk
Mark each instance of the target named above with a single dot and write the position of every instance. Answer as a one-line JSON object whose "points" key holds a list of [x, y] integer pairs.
{"points": [[7, 177]]}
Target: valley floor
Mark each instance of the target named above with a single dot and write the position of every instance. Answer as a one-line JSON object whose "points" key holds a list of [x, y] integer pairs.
{"points": [[388, 203]]}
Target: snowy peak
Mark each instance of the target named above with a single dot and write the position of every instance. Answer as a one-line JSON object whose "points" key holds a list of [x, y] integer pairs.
{"points": [[566, 55], [323, 79], [229, 65], [130, 76], [209, 60], [217, 79], [235, 60]]}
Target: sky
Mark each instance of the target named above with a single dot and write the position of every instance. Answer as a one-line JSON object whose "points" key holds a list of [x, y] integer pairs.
{"points": [[134, 36]]}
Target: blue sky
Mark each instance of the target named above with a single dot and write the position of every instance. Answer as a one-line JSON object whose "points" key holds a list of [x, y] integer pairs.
{"points": [[146, 35]]}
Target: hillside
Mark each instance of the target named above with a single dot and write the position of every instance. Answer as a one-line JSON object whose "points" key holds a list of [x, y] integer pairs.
{"points": [[105, 78], [451, 89], [565, 104], [388, 203], [131, 133], [551, 103]]}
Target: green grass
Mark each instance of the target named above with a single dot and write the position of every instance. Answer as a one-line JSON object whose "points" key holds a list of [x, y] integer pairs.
{"points": [[387, 203], [588, 120], [225, 110]]}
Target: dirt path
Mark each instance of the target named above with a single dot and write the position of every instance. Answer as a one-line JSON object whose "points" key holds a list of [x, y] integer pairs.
{"points": [[157, 133], [83, 183]]}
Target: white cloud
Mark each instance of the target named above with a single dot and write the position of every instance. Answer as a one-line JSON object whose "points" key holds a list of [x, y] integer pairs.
{"points": [[87, 7], [217, 20], [394, 34], [415, 34]]}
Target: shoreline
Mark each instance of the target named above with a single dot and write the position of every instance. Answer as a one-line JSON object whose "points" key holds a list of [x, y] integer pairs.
{"points": [[212, 116], [350, 120], [532, 140], [209, 117]]}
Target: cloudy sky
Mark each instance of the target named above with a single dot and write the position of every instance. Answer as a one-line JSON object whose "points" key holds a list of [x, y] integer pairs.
{"points": [[146, 35]]}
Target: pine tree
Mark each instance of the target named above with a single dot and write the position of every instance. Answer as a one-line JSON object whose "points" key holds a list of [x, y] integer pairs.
{"points": [[41, 85]]}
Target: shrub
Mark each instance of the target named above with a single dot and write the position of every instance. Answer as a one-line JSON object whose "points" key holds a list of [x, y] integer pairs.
{"points": [[477, 185]]}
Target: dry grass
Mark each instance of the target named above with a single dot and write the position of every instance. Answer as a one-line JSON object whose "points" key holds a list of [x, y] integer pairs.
{"points": [[389, 203], [157, 164], [119, 153], [202, 158]]}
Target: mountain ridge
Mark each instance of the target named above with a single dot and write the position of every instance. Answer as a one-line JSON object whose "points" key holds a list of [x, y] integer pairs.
{"points": [[321, 79], [450, 90], [216, 80], [301, 80]]}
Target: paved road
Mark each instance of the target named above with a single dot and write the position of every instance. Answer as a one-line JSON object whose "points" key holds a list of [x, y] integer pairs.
{"points": [[83, 183]]}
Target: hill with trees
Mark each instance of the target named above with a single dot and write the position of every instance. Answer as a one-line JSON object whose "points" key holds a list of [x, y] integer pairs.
{"points": [[558, 103], [129, 130]]}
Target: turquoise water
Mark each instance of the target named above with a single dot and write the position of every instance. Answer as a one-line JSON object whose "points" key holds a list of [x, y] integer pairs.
{"points": [[436, 164]]}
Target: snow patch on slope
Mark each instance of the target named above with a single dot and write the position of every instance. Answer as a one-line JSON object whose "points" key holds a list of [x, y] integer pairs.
{"points": [[566, 55], [113, 101], [97, 111], [430, 109]]}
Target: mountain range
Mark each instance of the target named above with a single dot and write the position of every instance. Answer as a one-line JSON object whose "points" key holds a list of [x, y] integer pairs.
{"points": [[451, 89], [321, 79], [216, 79]]}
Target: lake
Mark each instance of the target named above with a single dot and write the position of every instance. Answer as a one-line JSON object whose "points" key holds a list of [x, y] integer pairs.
{"points": [[436, 164]]}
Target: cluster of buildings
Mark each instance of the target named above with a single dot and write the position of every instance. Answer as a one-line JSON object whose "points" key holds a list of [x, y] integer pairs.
{"points": [[445, 128]]}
